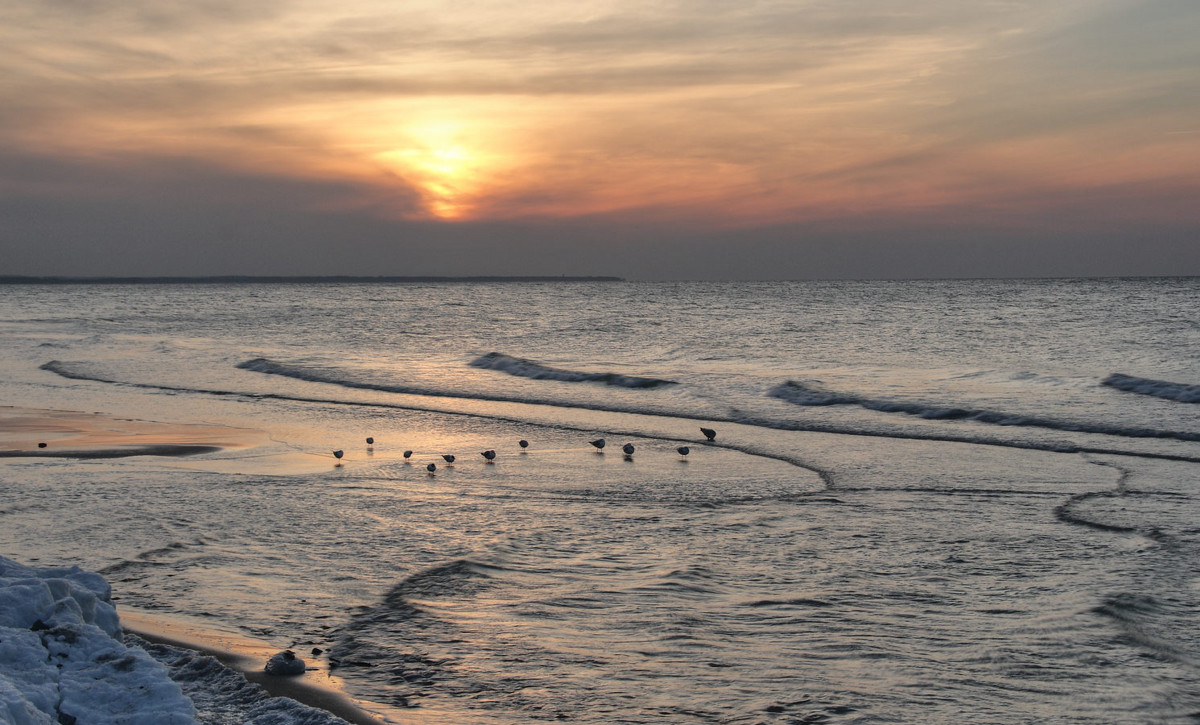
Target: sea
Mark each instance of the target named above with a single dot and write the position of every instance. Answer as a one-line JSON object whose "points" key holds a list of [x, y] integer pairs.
{"points": [[972, 501]]}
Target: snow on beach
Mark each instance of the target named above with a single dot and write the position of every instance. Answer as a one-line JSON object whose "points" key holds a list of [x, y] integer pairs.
{"points": [[65, 659]]}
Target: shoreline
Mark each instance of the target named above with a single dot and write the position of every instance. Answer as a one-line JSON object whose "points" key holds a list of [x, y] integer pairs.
{"points": [[94, 436], [317, 687]]}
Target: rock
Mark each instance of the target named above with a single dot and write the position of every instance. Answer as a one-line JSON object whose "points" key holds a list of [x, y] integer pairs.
{"points": [[285, 663]]}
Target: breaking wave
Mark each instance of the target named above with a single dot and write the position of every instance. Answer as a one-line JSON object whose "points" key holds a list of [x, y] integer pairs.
{"points": [[529, 369], [332, 376], [801, 394], [1157, 388], [73, 371], [343, 378], [790, 391]]}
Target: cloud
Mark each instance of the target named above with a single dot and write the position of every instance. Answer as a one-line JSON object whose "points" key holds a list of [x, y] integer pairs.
{"points": [[683, 116]]}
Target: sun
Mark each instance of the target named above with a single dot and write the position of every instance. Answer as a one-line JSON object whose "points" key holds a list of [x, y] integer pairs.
{"points": [[443, 170]]}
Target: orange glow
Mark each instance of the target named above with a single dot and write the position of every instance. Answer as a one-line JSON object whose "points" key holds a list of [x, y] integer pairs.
{"points": [[445, 177], [576, 110], [434, 160]]}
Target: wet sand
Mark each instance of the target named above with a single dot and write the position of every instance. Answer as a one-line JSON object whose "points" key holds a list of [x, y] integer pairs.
{"points": [[75, 434], [80, 435], [317, 687]]}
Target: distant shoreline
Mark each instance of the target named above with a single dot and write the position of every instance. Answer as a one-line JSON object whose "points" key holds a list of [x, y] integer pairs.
{"points": [[247, 279], [500, 279]]}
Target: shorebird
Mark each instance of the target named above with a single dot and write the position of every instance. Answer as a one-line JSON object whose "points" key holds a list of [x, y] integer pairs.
{"points": [[449, 458], [709, 433], [407, 454], [431, 467], [599, 443], [628, 448], [523, 443], [338, 455], [370, 441], [43, 445], [683, 450], [489, 454]]}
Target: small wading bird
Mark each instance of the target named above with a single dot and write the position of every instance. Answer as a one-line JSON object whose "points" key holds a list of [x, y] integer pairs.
{"points": [[599, 443], [338, 455], [709, 433], [489, 455], [628, 448], [407, 455], [523, 443], [449, 458], [683, 450], [431, 468], [370, 441]]}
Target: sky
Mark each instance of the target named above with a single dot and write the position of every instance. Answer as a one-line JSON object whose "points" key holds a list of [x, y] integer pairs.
{"points": [[649, 140]]}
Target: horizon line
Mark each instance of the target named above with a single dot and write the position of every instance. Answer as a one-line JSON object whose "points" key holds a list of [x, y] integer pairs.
{"points": [[419, 279], [285, 279]]}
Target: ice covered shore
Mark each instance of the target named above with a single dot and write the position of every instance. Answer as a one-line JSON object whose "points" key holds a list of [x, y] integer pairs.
{"points": [[64, 659]]}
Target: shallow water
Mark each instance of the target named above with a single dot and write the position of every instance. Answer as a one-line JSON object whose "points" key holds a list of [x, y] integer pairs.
{"points": [[923, 503]]}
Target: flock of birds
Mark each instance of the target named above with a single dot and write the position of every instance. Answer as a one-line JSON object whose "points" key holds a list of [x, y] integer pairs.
{"points": [[490, 454]]}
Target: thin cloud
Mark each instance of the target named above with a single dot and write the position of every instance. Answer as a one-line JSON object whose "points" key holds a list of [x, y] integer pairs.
{"points": [[709, 113]]}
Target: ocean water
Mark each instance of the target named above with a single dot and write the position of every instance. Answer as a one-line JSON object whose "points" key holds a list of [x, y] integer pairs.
{"points": [[941, 501]]}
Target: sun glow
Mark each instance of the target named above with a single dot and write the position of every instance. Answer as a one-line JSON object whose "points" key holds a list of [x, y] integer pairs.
{"points": [[444, 170]]}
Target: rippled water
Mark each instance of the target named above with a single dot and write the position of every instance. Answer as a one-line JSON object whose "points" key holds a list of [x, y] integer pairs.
{"points": [[927, 501]]}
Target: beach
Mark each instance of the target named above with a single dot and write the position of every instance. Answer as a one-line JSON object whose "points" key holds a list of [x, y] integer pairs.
{"points": [[962, 501], [75, 435]]}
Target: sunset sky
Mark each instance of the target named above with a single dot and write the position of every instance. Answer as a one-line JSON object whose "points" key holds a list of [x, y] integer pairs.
{"points": [[650, 140]]}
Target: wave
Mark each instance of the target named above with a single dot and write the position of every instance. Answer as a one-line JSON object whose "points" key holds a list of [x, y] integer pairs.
{"points": [[343, 378], [72, 372], [266, 366], [801, 394], [523, 368], [453, 580], [332, 376], [1157, 388]]}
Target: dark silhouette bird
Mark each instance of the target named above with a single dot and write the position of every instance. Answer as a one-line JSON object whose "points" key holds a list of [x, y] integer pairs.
{"points": [[683, 450], [523, 443], [41, 445], [628, 448], [449, 458], [489, 454], [370, 441], [599, 443], [338, 455], [408, 454], [431, 467], [709, 433]]}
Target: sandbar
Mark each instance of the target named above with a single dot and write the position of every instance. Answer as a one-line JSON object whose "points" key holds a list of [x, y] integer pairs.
{"points": [[75, 434]]}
